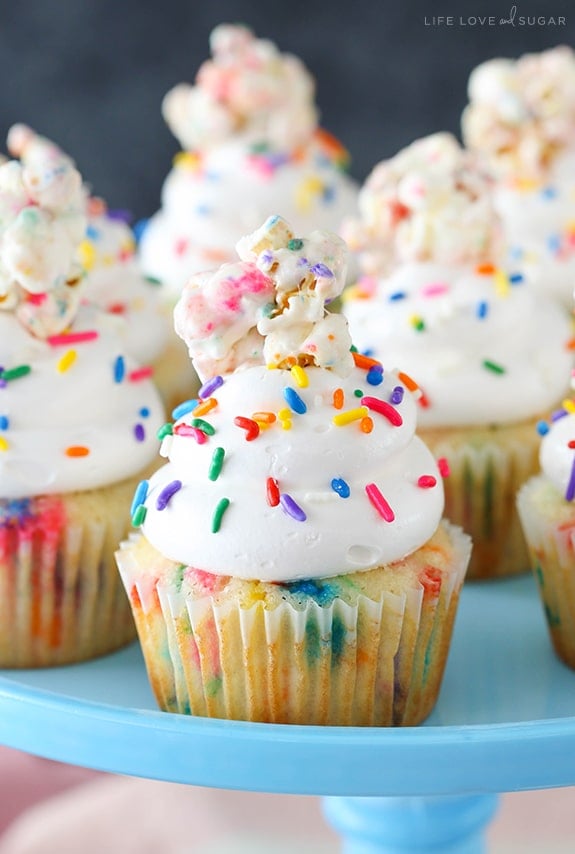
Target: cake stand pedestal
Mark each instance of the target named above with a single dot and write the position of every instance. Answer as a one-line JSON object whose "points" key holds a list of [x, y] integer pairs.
{"points": [[505, 721]]}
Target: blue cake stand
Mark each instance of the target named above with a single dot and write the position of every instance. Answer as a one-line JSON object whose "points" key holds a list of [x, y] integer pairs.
{"points": [[505, 721]]}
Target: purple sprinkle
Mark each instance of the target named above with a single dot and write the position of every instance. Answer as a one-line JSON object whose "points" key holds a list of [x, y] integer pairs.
{"points": [[292, 509], [322, 271], [166, 494], [210, 385], [267, 257], [396, 395], [120, 215], [570, 491], [139, 432], [302, 262], [559, 413]]}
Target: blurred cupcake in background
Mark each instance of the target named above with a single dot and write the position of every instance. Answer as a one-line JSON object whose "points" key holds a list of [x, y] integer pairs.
{"points": [[546, 505], [491, 355], [521, 119], [78, 421], [251, 146], [292, 564], [114, 281]]}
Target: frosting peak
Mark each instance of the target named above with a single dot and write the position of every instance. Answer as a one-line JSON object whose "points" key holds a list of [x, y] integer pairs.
{"points": [[430, 202], [248, 87], [42, 222], [269, 308], [521, 113]]}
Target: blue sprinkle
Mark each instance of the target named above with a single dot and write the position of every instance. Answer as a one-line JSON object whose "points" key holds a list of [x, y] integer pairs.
{"points": [[144, 412], [375, 375], [210, 385], [482, 309], [139, 228], [516, 253], [184, 408], [516, 278], [329, 194], [397, 296], [542, 428], [4, 422], [322, 271], [339, 485], [554, 242], [119, 369], [294, 401], [166, 494], [292, 509], [92, 233], [139, 495], [396, 395], [203, 210], [549, 193]]}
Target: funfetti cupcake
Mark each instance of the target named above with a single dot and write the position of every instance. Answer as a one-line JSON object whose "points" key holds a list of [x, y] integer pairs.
{"points": [[251, 144], [78, 419], [292, 565], [521, 118], [490, 354], [114, 281], [546, 505]]}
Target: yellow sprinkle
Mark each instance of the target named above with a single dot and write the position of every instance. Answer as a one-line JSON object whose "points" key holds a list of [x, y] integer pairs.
{"points": [[569, 405], [284, 414], [66, 361], [502, 286], [286, 424], [3, 444], [526, 184], [351, 415], [263, 425], [187, 160], [271, 367], [87, 254], [300, 376], [307, 192]]}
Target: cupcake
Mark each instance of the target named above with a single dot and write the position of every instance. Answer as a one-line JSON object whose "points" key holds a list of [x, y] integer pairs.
{"points": [[113, 280], [251, 144], [547, 512], [489, 353], [78, 418], [292, 564], [521, 119]]}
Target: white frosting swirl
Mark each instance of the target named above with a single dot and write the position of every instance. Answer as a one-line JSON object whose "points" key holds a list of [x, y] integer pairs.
{"points": [[429, 202], [557, 456], [258, 540], [484, 347], [82, 401]]}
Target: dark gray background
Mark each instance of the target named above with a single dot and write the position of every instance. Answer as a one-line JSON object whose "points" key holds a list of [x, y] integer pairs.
{"points": [[91, 74]]}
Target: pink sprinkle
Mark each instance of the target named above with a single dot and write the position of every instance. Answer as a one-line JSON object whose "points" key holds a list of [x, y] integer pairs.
{"points": [[426, 481], [443, 467], [383, 408], [140, 374], [379, 502], [194, 432], [434, 290], [72, 338], [181, 246]]}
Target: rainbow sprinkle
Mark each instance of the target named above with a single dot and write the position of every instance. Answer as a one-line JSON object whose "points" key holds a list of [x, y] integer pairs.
{"points": [[349, 416], [570, 491], [119, 369], [139, 515], [140, 495], [184, 408], [221, 508], [494, 367], [216, 463], [72, 338], [379, 502], [272, 492], [340, 486], [66, 361], [167, 493], [15, 373], [251, 427], [294, 401], [382, 407], [291, 508], [210, 386], [300, 376], [202, 425]]}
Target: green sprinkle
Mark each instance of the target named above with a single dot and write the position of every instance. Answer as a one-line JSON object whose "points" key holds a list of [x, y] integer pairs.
{"points": [[139, 515], [295, 244], [15, 373], [418, 324], [223, 505], [353, 349], [165, 430], [152, 280], [216, 463], [204, 426], [493, 366], [358, 392]]}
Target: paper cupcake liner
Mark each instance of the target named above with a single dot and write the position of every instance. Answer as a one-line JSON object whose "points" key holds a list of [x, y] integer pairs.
{"points": [[487, 467], [61, 599], [549, 524], [361, 660]]}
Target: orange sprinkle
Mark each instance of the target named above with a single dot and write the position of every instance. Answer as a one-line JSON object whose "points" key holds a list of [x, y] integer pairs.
{"points": [[205, 406], [264, 417], [338, 398], [366, 424], [407, 381], [571, 344], [485, 269], [362, 361], [77, 451]]}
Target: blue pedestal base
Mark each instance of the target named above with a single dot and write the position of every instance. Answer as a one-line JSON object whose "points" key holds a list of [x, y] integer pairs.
{"points": [[419, 825]]}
